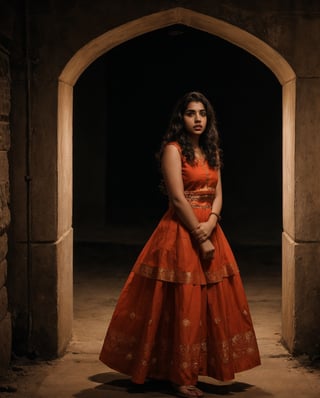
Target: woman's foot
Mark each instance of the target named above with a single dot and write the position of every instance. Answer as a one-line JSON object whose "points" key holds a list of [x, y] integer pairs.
{"points": [[187, 391]]}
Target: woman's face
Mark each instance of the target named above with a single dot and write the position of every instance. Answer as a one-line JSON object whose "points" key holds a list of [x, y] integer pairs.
{"points": [[195, 118]]}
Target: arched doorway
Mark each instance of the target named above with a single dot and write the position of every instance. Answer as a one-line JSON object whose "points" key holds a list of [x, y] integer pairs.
{"points": [[85, 56]]}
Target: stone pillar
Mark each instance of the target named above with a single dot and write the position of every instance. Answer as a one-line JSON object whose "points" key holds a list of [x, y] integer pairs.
{"points": [[301, 236], [5, 317], [42, 271]]}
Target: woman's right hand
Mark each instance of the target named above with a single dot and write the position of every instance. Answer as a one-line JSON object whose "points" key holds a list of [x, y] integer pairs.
{"points": [[207, 250]]}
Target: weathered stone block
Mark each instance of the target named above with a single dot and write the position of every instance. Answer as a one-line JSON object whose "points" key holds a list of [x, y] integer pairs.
{"points": [[307, 161], [4, 209], [53, 311], [4, 166], [4, 137], [5, 97], [307, 292], [301, 296], [5, 343], [3, 246], [3, 272], [3, 302], [4, 84]]}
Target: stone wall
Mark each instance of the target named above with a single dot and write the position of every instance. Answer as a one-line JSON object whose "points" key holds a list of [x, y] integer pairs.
{"points": [[5, 318]]}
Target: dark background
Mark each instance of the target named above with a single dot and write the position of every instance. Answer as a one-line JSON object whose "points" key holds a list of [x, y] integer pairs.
{"points": [[122, 105]]}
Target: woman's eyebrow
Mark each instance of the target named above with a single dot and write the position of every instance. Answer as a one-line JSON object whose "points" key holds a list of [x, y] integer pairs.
{"points": [[195, 110]]}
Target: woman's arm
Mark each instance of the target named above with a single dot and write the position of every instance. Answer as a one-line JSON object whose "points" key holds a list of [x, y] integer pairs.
{"points": [[216, 205], [171, 170]]}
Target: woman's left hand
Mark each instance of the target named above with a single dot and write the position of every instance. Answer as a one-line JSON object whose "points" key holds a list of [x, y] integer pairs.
{"points": [[204, 231]]}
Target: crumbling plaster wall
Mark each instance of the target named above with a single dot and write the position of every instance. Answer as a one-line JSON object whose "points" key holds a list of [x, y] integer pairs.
{"points": [[57, 31]]}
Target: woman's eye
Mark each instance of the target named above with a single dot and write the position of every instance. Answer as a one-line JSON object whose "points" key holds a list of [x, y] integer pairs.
{"points": [[192, 113], [189, 113]]}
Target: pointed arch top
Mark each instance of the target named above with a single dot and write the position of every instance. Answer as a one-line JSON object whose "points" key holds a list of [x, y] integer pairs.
{"points": [[112, 38]]}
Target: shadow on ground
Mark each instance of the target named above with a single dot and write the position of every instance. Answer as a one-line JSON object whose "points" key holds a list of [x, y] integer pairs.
{"points": [[121, 386]]}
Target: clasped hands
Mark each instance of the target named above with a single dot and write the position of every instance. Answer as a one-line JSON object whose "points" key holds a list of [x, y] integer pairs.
{"points": [[202, 234]]}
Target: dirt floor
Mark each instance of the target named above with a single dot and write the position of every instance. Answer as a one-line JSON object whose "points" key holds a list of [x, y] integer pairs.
{"points": [[99, 273]]}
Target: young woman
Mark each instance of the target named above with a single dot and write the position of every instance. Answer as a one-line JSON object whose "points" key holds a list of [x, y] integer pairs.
{"points": [[183, 311]]}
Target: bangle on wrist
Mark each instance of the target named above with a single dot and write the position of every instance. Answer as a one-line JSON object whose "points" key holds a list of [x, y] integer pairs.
{"points": [[215, 214]]}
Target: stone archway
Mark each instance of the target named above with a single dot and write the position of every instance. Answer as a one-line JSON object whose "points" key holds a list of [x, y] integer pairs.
{"points": [[94, 49]]}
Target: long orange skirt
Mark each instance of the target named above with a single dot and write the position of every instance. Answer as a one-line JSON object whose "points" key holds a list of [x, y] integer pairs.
{"points": [[174, 331], [178, 317]]}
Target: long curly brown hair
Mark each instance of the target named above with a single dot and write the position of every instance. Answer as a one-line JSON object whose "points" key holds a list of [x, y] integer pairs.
{"points": [[209, 139]]}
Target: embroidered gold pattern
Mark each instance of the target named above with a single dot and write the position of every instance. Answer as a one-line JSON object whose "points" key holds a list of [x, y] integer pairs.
{"points": [[195, 365], [186, 322], [189, 356], [164, 274], [132, 315], [204, 346], [225, 352], [198, 199], [183, 348], [184, 365]]}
